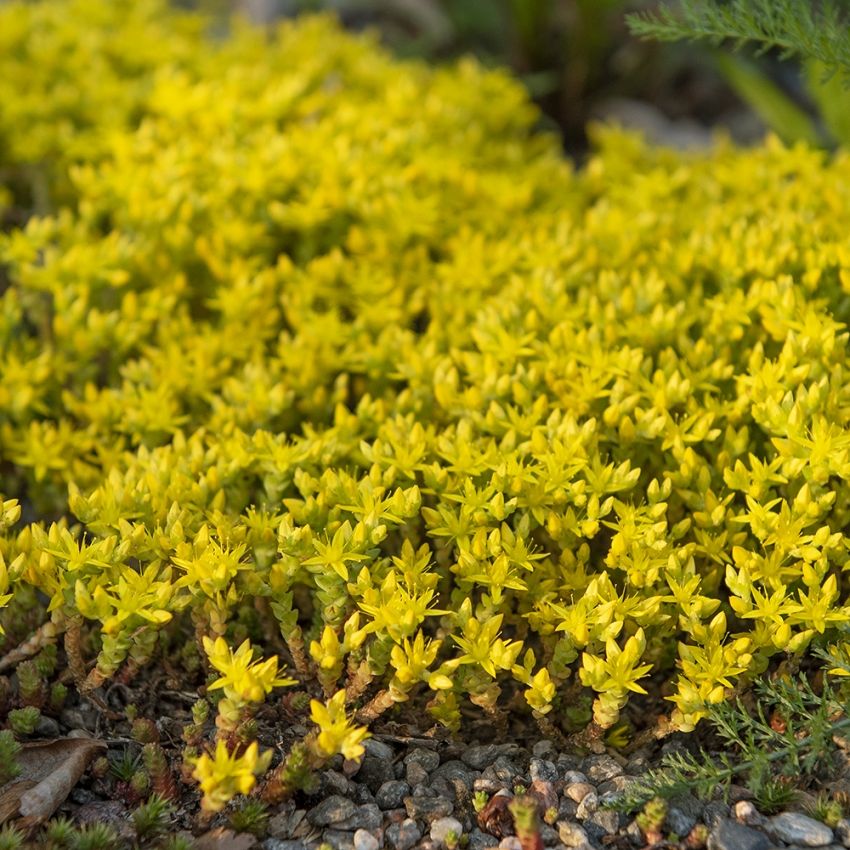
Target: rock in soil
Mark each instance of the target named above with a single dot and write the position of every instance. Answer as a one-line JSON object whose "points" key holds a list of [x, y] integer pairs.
{"points": [[731, 835], [795, 828]]}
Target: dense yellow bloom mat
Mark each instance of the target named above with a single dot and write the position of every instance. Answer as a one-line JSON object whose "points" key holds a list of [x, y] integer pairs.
{"points": [[301, 342]]}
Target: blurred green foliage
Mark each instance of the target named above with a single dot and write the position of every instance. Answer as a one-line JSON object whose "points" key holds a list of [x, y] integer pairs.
{"points": [[570, 54]]}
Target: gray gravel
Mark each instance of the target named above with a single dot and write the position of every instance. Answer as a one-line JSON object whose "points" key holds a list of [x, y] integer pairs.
{"points": [[423, 797]]}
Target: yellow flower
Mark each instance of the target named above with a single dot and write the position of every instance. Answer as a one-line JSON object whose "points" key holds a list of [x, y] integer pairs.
{"points": [[336, 733], [224, 775], [242, 678]]}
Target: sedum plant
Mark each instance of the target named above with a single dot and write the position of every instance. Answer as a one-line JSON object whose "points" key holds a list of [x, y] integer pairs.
{"points": [[316, 353]]}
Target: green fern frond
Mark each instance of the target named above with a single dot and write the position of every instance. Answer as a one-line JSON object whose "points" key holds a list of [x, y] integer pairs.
{"points": [[808, 30]]}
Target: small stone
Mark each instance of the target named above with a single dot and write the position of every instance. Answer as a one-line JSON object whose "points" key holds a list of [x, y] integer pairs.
{"points": [[344, 814], [606, 819], [420, 755], [481, 755], [336, 783], [510, 842], [428, 808], [635, 834], [731, 835], [362, 794], [842, 831], [544, 749], [571, 834], [339, 839], [332, 810], [745, 812], [542, 769], [616, 785], [391, 794], [588, 806], [796, 828], [402, 836], [367, 816], [567, 762], [423, 790], [567, 809], [443, 828], [415, 774], [545, 794], [577, 791], [549, 835], [74, 718], [46, 727], [679, 822], [739, 792], [601, 768], [714, 812], [452, 770], [479, 840], [283, 844], [364, 840], [374, 772], [489, 786], [573, 776], [378, 749]]}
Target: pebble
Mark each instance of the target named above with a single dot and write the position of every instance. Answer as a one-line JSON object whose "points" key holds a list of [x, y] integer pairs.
{"points": [[283, 844], [364, 840], [567, 809], [338, 839], [573, 776], [842, 831], [606, 820], [571, 834], [335, 782], [415, 774], [577, 791], [391, 794], [333, 809], [378, 749], [616, 784], [796, 828], [46, 727], [442, 828], [374, 772], [489, 786], [543, 749], [714, 812], [745, 812], [679, 822], [344, 814], [683, 814], [543, 770], [454, 770], [731, 835], [402, 836], [588, 805], [420, 755], [510, 842], [483, 755], [428, 808], [602, 768], [478, 840]]}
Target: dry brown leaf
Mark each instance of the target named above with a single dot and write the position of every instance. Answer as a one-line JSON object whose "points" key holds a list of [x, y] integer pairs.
{"points": [[49, 770]]}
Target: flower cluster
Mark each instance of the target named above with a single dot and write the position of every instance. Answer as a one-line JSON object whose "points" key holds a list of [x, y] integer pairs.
{"points": [[338, 352]]}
